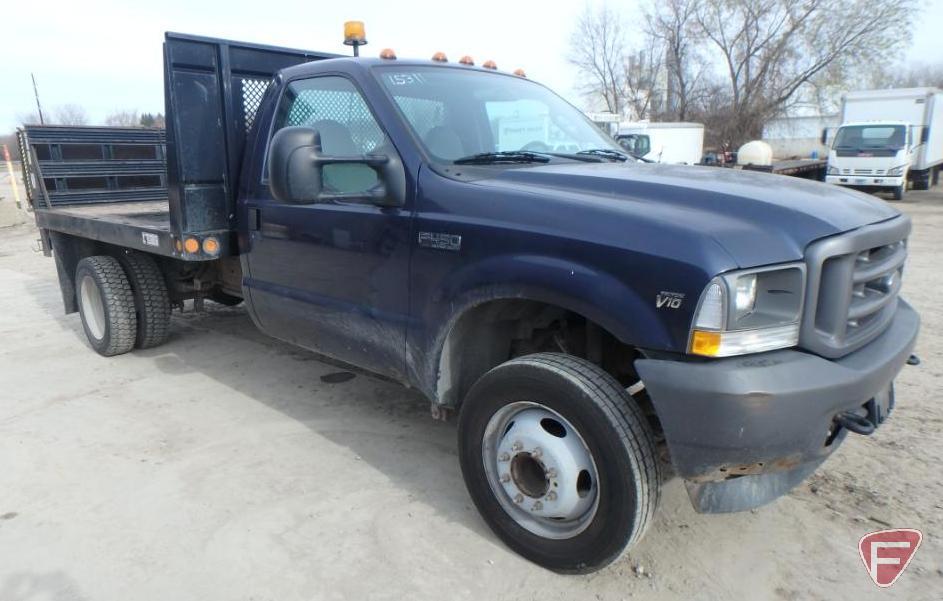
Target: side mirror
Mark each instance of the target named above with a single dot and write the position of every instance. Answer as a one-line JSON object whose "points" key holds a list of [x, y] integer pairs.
{"points": [[296, 171], [925, 134], [824, 136]]}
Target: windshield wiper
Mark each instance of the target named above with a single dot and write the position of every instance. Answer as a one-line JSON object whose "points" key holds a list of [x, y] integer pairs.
{"points": [[615, 155], [507, 156]]}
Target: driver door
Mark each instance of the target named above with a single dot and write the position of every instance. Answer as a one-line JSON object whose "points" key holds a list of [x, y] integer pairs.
{"points": [[332, 277]]}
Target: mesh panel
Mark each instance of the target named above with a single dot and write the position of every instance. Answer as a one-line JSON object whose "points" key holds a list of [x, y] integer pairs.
{"points": [[252, 92], [344, 106], [423, 114]]}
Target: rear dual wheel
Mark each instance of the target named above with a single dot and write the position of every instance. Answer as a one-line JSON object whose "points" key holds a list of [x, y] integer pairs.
{"points": [[559, 461], [123, 303]]}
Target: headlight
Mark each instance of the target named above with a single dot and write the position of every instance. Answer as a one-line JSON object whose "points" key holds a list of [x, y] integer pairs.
{"points": [[896, 170], [832, 171], [749, 311]]}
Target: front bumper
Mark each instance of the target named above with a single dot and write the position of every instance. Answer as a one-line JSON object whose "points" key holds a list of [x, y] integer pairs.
{"points": [[865, 181], [743, 431]]}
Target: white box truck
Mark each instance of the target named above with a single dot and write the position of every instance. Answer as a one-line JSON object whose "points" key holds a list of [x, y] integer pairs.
{"points": [[667, 142], [888, 138]]}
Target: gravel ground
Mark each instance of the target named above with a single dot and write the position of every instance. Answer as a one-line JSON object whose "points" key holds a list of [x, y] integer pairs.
{"points": [[222, 466]]}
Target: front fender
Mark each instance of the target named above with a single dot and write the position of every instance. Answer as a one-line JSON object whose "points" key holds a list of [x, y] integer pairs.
{"points": [[595, 294]]}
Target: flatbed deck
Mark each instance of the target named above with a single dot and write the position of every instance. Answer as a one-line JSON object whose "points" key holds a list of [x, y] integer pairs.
{"points": [[144, 225]]}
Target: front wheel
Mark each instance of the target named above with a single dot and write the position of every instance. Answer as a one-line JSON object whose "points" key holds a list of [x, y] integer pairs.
{"points": [[559, 460], [899, 192]]}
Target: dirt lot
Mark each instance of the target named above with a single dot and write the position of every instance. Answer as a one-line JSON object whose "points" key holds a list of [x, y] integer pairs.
{"points": [[222, 466]]}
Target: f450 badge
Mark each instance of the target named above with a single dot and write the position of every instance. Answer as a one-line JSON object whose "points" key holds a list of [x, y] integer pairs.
{"points": [[669, 300]]}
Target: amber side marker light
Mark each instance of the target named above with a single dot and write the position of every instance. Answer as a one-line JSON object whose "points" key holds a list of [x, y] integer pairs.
{"points": [[192, 245], [520, 73], [466, 60], [489, 65], [211, 246], [705, 343], [388, 54], [440, 57]]}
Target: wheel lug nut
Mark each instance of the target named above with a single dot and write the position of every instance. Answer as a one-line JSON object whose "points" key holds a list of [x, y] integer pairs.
{"points": [[504, 457], [552, 473], [551, 496], [537, 506], [505, 477], [517, 446], [519, 499], [536, 453]]}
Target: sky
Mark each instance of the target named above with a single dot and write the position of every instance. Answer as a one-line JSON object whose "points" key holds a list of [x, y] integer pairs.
{"points": [[105, 55]]}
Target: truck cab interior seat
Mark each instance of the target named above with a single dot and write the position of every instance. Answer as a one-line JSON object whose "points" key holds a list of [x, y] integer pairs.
{"points": [[444, 143]]}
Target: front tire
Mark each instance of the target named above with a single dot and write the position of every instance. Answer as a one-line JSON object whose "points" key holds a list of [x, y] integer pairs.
{"points": [[559, 460], [106, 304], [899, 192]]}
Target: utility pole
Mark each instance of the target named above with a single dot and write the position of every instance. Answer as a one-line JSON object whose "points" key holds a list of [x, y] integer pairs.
{"points": [[39, 107]]}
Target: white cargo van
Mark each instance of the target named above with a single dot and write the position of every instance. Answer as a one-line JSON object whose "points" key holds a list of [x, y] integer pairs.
{"points": [[676, 142], [887, 138]]}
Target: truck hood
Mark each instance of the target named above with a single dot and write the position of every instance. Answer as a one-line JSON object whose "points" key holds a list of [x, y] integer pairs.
{"points": [[760, 219]]}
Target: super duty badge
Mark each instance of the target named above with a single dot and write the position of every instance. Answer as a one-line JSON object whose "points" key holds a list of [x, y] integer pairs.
{"points": [[440, 241]]}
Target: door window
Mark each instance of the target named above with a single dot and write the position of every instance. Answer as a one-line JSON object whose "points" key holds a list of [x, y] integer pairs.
{"points": [[333, 106]]}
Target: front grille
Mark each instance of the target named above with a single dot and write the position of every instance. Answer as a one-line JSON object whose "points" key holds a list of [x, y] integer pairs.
{"points": [[854, 281], [863, 172]]}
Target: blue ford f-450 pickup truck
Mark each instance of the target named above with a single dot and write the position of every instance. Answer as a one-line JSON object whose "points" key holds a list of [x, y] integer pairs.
{"points": [[589, 319]]}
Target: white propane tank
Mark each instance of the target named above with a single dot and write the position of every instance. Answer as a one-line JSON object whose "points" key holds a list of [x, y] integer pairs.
{"points": [[756, 152]]}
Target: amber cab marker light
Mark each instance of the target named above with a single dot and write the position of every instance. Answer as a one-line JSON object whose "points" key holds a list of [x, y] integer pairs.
{"points": [[466, 60], [520, 73], [489, 65], [211, 246], [388, 54], [440, 57], [192, 245]]}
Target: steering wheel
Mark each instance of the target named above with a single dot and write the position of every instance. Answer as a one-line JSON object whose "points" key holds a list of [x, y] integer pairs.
{"points": [[536, 146]]}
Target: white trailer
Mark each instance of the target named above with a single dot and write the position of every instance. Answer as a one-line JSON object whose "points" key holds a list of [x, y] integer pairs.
{"points": [[888, 138], [676, 142]]}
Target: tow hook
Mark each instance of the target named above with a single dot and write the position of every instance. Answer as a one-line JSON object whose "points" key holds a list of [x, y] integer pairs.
{"points": [[859, 424], [913, 360]]}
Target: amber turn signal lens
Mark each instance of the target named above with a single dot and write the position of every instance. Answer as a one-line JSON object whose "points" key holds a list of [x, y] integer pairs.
{"points": [[192, 245], [440, 57], [211, 246], [467, 60], [489, 65], [388, 54], [705, 343]]}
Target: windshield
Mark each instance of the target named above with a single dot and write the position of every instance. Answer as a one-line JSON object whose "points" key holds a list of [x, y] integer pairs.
{"points": [[862, 137], [458, 113]]}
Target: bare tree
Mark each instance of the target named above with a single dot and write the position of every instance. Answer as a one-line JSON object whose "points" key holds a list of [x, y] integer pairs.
{"points": [[671, 24], [597, 50], [28, 118], [915, 75], [123, 118], [70, 114], [772, 49], [642, 71]]}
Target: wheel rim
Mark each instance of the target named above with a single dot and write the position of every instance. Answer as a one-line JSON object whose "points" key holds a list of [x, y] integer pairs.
{"points": [[540, 470], [93, 310]]}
